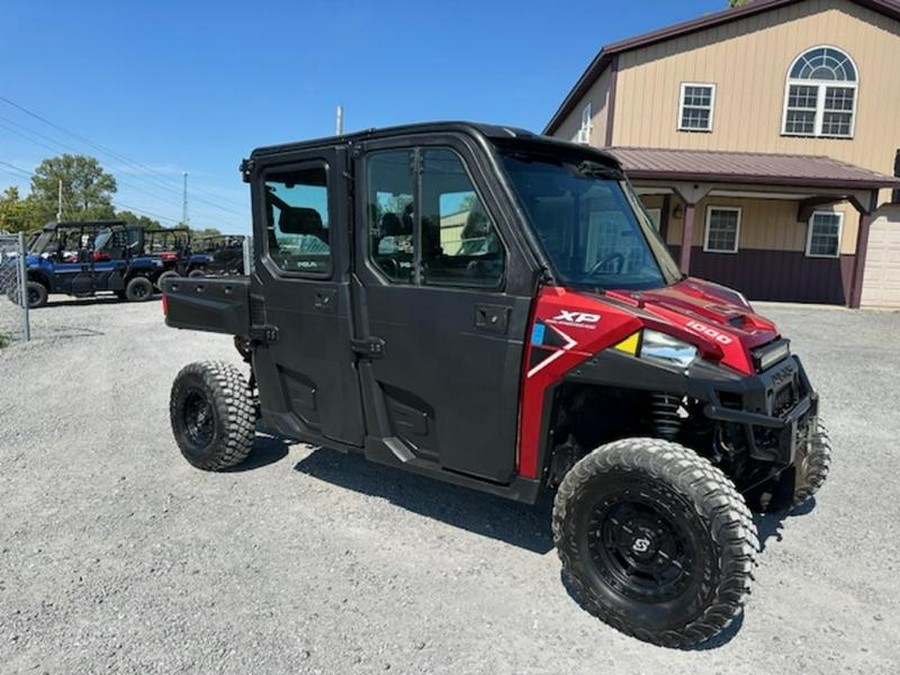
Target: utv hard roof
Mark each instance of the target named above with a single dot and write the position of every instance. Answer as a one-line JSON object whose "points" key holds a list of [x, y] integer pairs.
{"points": [[53, 225], [491, 132]]}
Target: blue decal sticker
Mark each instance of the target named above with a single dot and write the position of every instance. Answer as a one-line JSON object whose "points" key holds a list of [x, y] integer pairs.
{"points": [[537, 334]]}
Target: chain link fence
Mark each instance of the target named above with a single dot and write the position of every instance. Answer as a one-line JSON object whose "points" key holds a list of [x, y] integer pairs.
{"points": [[14, 320]]}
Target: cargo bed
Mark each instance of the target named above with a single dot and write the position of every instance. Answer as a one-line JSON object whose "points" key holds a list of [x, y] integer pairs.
{"points": [[217, 305]]}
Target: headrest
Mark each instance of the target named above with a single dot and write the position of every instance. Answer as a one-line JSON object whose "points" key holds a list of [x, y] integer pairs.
{"points": [[300, 220], [477, 224], [390, 225]]}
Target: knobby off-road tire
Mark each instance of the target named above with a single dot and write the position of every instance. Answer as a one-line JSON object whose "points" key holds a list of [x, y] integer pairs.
{"points": [[213, 415], [811, 466], [169, 274], [139, 289], [36, 293], [656, 541]]}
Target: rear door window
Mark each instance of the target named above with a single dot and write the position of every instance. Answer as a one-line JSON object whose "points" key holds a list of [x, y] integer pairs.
{"points": [[298, 220]]}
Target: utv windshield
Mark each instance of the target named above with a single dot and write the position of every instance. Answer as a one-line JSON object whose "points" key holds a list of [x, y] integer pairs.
{"points": [[590, 223]]}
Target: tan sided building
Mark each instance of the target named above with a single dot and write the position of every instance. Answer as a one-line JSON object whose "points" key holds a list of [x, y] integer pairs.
{"points": [[765, 141]]}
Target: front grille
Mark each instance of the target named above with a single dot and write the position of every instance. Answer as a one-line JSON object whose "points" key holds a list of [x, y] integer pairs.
{"points": [[784, 400], [783, 389]]}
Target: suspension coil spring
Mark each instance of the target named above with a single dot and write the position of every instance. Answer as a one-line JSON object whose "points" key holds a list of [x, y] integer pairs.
{"points": [[666, 420]]}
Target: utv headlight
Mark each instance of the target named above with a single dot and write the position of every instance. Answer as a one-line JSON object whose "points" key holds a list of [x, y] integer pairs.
{"points": [[661, 347]]}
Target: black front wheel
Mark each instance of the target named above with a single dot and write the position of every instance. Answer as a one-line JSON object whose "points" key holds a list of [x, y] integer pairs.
{"points": [[657, 541], [811, 465], [168, 274], [213, 415], [36, 293]]}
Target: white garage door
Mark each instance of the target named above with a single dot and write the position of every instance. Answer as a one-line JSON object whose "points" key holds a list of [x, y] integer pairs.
{"points": [[881, 286]]}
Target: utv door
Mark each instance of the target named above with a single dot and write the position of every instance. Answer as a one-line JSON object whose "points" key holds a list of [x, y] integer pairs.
{"points": [[111, 257], [444, 307], [72, 268], [300, 288]]}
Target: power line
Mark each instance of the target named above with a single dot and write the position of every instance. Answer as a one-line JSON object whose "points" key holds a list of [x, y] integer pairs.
{"points": [[59, 144], [15, 168], [158, 178]]}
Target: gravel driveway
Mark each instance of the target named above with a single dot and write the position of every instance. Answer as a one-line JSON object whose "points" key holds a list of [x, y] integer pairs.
{"points": [[116, 555]]}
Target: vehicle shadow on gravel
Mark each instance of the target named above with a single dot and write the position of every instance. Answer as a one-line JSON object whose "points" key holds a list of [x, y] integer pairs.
{"points": [[83, 302], [520, 525], [770, 525], [266, 450]]}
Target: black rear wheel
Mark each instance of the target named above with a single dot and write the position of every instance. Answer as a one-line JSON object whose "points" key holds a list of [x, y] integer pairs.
{"points": [[213, 415], [656, 540], [139, 289]]}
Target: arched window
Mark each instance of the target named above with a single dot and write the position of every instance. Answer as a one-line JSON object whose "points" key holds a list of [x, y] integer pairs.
{"points": [[820, 96]]}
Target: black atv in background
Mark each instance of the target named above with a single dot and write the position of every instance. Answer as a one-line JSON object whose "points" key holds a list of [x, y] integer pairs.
{"points": [[217, 255]]}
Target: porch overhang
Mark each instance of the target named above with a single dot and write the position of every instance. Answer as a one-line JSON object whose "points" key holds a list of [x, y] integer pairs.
{"points": [[810, 181]]}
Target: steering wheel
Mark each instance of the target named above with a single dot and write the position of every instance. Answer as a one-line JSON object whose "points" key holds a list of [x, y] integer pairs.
{"points": [[608, 259]]}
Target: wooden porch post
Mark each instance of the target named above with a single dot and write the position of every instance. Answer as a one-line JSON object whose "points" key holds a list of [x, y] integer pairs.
{"points": [[859, 266], [687, 237]]}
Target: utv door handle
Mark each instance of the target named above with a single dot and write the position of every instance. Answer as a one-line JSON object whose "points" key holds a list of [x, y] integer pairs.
{"points": [[325, 298], [492, 318], [368, 348]]}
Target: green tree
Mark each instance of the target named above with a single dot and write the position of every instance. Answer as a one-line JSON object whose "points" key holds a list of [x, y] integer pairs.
{"points": [[207, 232], [87, 189], [133, 218], [14, 212], [738, 3]]}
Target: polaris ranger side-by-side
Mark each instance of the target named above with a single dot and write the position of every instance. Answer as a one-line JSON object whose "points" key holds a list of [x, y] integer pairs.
{"points": [[495, 309]]}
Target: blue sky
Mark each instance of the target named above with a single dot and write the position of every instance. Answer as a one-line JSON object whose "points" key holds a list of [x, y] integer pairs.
{"points": [[171, 86]]}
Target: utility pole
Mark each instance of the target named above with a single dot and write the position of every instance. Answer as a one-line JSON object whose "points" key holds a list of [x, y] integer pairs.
{"points": [[59, 203], [184, 210], [339, 127]]}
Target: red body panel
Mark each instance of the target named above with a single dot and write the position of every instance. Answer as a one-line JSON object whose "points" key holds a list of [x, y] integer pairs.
{"points": [[569, 327]]}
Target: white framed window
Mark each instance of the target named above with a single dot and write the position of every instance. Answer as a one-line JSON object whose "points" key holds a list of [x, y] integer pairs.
{"points": [[584, 132], [820, 94], [723, 229], [823, 240], [698, 102]]}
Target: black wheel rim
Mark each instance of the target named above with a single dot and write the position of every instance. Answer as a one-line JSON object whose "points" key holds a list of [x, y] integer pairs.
{"points": [[140, 291], [199, 418], [642, 551], [34, 297]]}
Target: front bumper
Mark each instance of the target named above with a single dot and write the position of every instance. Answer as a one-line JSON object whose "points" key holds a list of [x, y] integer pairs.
{"points": [[776, 409]]}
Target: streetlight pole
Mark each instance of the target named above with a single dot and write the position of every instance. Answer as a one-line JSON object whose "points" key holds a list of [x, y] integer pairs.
{"points": [[184, 203]]}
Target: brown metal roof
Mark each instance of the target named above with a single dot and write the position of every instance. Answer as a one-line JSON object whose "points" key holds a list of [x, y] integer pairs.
{"points": [[889, 8], [748, 167]]}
